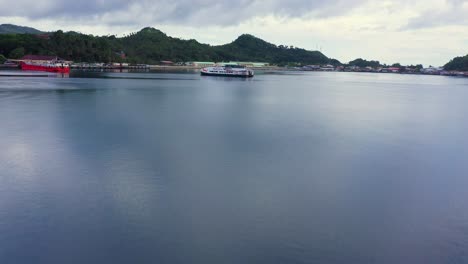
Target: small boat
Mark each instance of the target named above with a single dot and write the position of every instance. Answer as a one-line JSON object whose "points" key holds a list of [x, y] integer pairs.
{"points": [[9, 64], [53, 66], [228, 71]]}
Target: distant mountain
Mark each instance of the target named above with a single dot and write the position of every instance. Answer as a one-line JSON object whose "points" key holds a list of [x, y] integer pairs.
{"points": [[150, 45], [14, 29], [250, 48], [457, 64]]}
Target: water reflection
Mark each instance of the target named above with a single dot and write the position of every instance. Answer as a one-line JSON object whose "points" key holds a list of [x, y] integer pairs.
{"points": [[177, 168], [26, 74]]}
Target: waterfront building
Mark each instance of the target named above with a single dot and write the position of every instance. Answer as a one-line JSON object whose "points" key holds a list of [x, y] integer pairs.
{"points": [[166, 63], [327, 68], [432, 70], [200, 63], [248, 64]]}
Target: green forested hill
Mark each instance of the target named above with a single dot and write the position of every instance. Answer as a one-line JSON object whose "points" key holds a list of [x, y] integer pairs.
{"points": [[250, 48], [152, 46], [14, 29], [70, 45], [457, 64]]}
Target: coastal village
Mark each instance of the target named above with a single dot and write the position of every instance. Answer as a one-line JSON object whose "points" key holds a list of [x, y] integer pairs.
{"points": [[391, 69], [193, 65]]}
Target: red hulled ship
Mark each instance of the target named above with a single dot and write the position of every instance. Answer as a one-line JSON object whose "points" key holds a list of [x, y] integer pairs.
{"points": [[44, 63]]}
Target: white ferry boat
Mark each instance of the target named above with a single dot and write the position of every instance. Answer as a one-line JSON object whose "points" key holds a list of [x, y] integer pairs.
{"points": [[228, 71]]}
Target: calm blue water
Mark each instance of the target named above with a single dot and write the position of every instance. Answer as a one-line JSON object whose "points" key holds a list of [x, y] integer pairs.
{"points": [[281, 168]]}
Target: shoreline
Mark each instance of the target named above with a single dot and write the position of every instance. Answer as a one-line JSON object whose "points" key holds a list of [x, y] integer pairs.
{"points": [[159, 68]]}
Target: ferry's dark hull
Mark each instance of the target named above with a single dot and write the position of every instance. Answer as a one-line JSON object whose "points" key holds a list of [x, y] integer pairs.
{"points": [[227, 75]]}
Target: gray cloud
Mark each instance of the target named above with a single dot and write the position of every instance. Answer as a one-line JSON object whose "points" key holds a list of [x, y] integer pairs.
{"points": [[454, 14], [191, 12]]}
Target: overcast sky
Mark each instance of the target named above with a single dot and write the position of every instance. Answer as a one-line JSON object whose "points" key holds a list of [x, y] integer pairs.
{"points": [[409, 32]]}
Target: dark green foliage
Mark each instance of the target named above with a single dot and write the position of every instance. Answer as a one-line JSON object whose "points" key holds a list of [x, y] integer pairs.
{"points": [[152, 46], [364, 63], [2, 59], [30, 43], [457, 64], [335, 62], [250, 48], [16, 53], [82, 48], [13, 29], [70, 45], [416, 67]]}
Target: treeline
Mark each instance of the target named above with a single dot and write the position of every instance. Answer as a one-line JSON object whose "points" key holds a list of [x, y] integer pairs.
{"points": [[250, 48], [152, 46], [457, 64], [70, 46], [362, 63]]}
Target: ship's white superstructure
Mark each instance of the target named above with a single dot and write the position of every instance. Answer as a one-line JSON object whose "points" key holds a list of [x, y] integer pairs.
{"points": [[228, 71]]}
